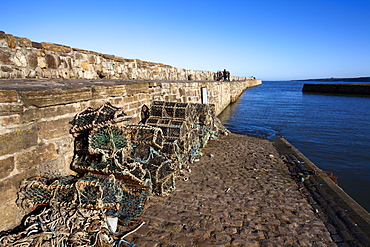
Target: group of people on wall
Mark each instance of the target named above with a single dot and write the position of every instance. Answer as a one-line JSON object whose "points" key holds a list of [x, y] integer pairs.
{"points": [[223, 75]]}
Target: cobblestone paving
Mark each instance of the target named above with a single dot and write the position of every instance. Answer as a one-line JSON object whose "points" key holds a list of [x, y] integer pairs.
{"points": [[347, 224], [240, 193]]}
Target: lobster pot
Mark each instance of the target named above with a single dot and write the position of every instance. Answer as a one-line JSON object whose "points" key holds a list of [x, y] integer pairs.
{"points": [[91, 118], [34, 191], [180, 146], [130, 171], [203, 114], [170, 147], [208, 109], [141, 134], [108, 140], [92, 192], [106, 151], [171, 129], [164, 109], [188, 143], [165, 186], [204, 134]]}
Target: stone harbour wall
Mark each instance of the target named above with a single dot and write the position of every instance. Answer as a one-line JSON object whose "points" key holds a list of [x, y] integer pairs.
{"points": [[23, 58], [35, 116], [43, 85]]}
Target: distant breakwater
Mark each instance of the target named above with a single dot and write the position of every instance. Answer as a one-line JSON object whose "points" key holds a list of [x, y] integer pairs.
{"points": [[337, 88]]}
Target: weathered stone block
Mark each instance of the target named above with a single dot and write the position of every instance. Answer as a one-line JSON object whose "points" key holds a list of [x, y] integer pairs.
{"points": [[53, 168], [36, 45], [107, 56], [137, 88], [56, 47], [46, 73], [55, 97], [52, 62], [23, 42], [32, 60], [101, 92], [9, 120], [7, 96], [135, 105], [6, 109], [54, 128], [5, 56], [130, 99], [85, 65], [6, 167], [65, 145], [11, 41], [18, 140], [34, 114], [78, 56], [34, 157], [119, 59], [117, 101], [10, 216], [91, 59], [41, 53], [6, 69], [19, 58], [41, 62], [81, 50], [8, 190]]}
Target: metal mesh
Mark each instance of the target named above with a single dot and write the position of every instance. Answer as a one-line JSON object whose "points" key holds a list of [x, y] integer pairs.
{"points": [[92, 118], [175, 110], [171, 129], [145, 134], [130, 152], [106, 150], [107, 140], [90, 192]]}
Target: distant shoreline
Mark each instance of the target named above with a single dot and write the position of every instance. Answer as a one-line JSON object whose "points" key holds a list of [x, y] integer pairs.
{"points": [[337, 88], [357, 79]]}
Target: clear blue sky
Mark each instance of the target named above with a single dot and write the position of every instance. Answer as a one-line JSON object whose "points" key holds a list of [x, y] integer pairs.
{"points": [[269, 39]]}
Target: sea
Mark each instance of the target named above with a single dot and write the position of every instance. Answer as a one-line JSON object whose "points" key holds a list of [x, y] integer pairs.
{"points": [[333, 131]]}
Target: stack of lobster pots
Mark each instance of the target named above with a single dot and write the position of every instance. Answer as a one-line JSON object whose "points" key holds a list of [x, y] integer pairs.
{"points": [[186, 127]]}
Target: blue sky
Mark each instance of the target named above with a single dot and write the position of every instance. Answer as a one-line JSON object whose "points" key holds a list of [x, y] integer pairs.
{"points": [[271, 40]]}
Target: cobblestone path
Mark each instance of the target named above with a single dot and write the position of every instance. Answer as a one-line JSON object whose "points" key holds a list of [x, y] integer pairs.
{"points": [[240, 193]]}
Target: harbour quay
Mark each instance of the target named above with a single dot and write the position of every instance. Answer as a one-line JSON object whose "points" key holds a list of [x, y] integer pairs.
{"points": [[246, 191]]}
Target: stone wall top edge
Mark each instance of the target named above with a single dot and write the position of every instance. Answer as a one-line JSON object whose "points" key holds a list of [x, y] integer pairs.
{"points": [[14, 42], [66, 49], [49, 84]]}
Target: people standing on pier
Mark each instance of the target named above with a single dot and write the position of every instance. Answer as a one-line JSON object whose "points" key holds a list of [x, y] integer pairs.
{"points": [[223, 75], [226, 75]]}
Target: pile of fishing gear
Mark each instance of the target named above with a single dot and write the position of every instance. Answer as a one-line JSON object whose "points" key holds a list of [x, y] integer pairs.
{"points": [[120, 166]]}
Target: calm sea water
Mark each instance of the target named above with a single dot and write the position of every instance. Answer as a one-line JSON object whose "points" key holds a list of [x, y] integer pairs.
{"points": [[333, 131]]}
